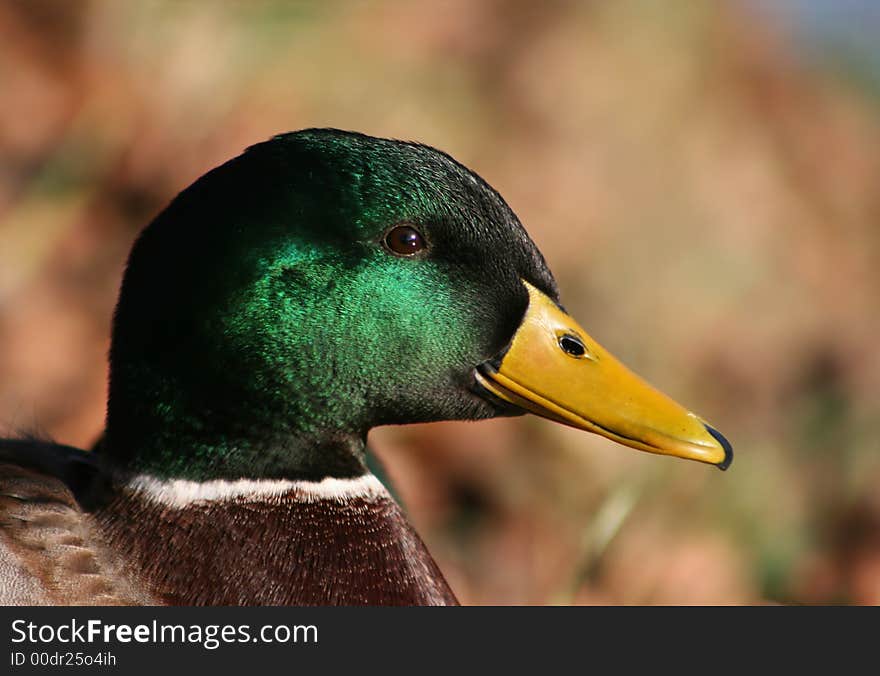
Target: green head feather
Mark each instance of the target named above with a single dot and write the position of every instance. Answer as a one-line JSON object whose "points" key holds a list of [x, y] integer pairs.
{"points": [[264, 327]]}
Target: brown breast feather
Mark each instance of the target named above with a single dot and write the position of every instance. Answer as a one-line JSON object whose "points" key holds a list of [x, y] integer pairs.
{"points": [[277, 551], [271, 551]]}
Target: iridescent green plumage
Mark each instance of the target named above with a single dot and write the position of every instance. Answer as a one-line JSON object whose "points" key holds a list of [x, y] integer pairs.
{"points": [[263, 328]]}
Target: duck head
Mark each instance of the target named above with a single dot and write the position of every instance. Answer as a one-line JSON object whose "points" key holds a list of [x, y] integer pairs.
{"points": [[324, 283]]}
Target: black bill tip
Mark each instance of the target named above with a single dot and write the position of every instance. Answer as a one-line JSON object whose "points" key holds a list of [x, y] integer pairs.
{"points": [[725, 444]]}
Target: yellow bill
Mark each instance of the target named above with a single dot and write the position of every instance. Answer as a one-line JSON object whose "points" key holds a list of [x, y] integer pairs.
{"points": [[555, 370]]}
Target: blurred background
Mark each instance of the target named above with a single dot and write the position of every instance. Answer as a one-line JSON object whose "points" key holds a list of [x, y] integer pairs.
{"points": [[703, 178]]}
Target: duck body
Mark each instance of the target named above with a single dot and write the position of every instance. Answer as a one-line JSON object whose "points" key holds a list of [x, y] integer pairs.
{"points": [[69, 536], [320, 284]]}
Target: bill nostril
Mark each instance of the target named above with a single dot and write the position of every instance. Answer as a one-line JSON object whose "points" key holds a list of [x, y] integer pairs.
{"points": [[572, 345]]}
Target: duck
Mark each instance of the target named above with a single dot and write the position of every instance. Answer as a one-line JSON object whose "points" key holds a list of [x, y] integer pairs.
{"points": [[318, 285]]}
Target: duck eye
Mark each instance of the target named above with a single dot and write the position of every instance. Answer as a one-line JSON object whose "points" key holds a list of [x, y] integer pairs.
{"points": [[404, 240], [572, 345]]}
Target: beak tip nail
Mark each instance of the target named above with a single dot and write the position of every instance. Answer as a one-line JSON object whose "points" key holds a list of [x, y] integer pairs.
{"points": [[725, 444]]}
